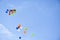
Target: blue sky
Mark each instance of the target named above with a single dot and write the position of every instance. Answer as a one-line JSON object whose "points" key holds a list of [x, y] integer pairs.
{"points": [[42, 17]]}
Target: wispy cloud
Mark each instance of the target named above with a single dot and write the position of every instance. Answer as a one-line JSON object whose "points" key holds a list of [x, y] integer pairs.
{"points": [[5, 34], [5, 31]]}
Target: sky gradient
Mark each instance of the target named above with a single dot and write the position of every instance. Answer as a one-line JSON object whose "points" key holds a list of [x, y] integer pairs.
{"points": [[42, 17]]}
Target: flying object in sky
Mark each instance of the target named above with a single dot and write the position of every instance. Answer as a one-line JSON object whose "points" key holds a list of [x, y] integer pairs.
{"points": [[19, 27], [19, 37], [25, 30], [11, 12]]}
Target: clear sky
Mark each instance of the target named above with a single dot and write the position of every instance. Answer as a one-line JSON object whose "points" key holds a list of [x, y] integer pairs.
{"points": [[42, 17]]}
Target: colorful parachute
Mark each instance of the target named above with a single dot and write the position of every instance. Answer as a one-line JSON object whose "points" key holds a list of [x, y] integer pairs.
{"points": [[11, 12]]}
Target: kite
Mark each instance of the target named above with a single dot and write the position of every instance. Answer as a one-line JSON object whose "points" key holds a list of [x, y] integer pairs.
{"points": [[32, 34], [19, 27], [7, 11], [19, 37], [11, 12], [25, 30]]}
